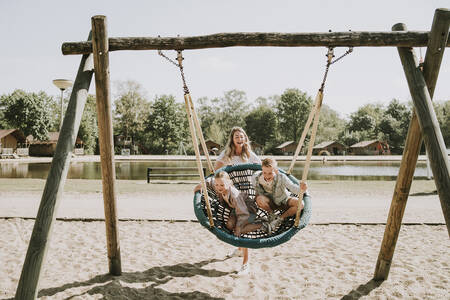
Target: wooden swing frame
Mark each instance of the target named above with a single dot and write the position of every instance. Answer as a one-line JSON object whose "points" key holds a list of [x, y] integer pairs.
{"points": [[95, 57]]}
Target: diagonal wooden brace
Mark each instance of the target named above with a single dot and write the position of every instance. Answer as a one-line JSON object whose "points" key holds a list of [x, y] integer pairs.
{"points": [[435, 50]]}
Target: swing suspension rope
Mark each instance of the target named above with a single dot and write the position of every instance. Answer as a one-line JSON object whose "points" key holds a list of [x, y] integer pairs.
{"points": [[313, 117], [194, 127]]}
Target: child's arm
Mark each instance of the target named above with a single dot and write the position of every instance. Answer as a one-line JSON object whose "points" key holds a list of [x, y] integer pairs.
{"points": [[198, 187], [292, 187], [258, 189]]}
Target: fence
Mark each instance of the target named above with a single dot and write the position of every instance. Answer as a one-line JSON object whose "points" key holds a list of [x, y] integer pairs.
{"points": [[168, 175]]}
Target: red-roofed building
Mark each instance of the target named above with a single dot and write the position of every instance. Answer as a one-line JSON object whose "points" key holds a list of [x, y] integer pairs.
{"points": [[329, 148], [287, 148], [373, 147]]}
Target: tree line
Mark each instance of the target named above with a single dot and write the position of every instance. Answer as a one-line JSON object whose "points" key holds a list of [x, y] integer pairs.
{"points": [[159, 125]]}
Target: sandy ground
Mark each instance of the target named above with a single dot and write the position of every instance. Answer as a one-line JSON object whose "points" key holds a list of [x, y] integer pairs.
{"points": [[333, 201], [182, 260]]}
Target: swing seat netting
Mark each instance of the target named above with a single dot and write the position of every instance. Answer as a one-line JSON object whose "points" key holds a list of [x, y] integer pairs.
{"points": [[241, 175]]}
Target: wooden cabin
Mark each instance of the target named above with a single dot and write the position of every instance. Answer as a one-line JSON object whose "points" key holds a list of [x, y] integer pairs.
{"points": [[287, 148], [213, 147], [48, 147], [12, 143], [329, 148], [373, 147]]}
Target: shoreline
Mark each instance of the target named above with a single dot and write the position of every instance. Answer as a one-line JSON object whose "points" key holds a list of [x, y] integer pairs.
{"points": [[354, 202], [96, 158]]}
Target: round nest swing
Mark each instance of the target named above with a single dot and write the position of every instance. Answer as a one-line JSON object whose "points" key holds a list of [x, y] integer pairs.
{"points": [[241, 175]]}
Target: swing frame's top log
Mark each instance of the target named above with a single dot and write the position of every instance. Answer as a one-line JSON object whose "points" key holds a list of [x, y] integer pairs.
{"points": [[261, 39]]}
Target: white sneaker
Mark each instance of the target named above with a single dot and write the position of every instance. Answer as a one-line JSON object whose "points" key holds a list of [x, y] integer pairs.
{"points": [[235, 253], [271, 216], [245, 269], [276, 222], [266, 227]]}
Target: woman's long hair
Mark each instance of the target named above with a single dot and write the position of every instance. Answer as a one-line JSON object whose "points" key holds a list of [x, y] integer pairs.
{"points": [[230, 149]]}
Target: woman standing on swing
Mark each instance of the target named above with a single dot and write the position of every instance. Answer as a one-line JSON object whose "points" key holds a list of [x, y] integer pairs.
{"points": [[238, 151]]}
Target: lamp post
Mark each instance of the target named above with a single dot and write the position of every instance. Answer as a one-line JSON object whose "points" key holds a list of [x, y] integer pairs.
{"points": [[62, 84]]}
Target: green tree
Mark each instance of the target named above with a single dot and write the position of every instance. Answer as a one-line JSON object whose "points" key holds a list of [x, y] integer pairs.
{"points": [[293, 109], [232, 109], [215, 133], [3, 121], [55, 109], [349, 138], [226, 112], [442, 110], [330, 125], [166, 125], [393, 126], [208, 113], [261, 125], [365, 121], [130, 112], [28, 112], [88, 131], [390, 131]]}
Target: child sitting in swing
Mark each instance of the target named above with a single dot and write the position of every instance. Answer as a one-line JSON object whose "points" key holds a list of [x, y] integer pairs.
{"points": [[272, 193], [243, 209]]}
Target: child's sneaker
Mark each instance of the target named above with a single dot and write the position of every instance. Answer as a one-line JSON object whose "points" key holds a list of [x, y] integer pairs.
{"points": [[266, 227], [276, 222], [245, 269], [271, 216], [235, 253]]}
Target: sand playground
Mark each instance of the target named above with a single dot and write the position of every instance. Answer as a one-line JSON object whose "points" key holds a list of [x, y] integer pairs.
{"points": [[166, 254]]}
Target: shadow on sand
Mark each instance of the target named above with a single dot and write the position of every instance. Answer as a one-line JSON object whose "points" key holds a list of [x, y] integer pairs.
{"points": [[118, 287], [362, 290]]}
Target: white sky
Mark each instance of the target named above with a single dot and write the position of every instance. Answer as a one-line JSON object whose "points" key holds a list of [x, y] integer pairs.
{"points": [[33, 32]]}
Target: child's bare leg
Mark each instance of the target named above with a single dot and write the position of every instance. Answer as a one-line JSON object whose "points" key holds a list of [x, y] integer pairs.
{"points": [[293, 206], [263, 202], [245, 252], [250, 227], [231, 222]]}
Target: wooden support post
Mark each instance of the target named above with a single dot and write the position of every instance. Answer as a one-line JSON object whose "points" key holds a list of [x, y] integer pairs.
{"points": [[105, 137], [439, 33], [40, 237]]}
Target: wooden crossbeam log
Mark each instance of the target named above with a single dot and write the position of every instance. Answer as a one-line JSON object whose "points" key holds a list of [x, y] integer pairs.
{"points": [[260, 39]]}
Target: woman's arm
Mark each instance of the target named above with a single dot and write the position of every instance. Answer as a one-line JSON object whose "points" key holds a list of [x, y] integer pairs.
{"points": [[198, 187], [219, 164], [220, 161]]}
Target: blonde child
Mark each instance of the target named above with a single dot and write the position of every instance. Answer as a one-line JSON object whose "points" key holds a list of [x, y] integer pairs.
{"points": [[237, 151], [243, 209], [272, 192]]}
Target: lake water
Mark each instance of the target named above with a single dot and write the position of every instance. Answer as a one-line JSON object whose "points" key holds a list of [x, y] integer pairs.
{"points": [[137, 170]]}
